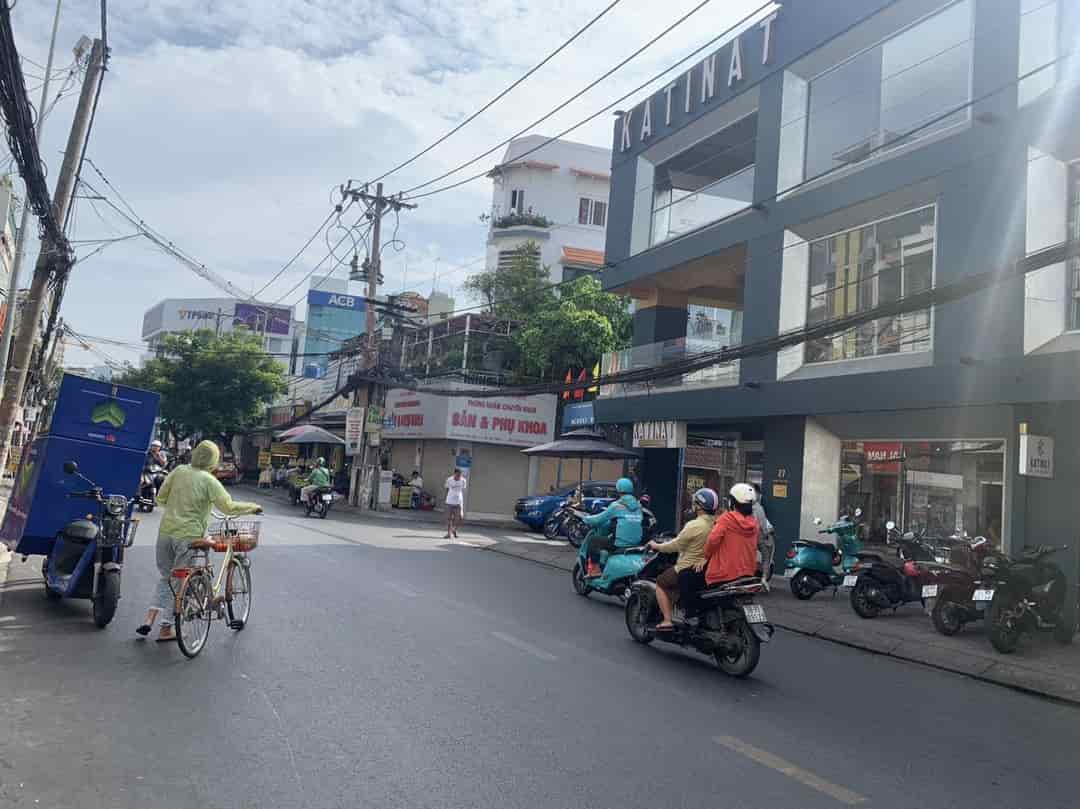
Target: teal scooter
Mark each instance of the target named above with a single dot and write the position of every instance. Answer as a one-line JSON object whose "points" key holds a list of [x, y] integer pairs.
{"points": [[813, 566], [620, 566]]}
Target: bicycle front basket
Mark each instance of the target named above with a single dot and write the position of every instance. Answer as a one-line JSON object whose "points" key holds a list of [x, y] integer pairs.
{"points": [[243, 534]]}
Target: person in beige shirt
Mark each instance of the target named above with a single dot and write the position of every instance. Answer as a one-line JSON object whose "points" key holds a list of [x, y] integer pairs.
{"points": [[682, 582]]}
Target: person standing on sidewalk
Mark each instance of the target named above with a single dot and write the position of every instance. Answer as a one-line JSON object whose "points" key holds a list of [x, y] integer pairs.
{"points": [[455, 499], [188, 494]]}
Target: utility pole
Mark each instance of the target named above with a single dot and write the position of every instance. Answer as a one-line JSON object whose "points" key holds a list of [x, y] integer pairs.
{"points": [[22, 234], [15, 382], [364, 474]]}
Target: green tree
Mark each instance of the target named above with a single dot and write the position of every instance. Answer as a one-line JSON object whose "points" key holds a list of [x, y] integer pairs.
{"points": [[209, 384], [571, 327]]}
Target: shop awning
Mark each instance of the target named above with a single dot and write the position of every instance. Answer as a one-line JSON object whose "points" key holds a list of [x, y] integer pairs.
{"points": [[310, 434], [582, 444]]}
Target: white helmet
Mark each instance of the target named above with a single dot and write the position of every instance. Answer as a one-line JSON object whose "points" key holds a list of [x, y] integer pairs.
{"points": [[155, 444], [742, 493]]}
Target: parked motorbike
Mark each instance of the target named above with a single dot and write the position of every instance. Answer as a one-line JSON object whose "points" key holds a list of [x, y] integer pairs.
{"points": [[949, 595], [620, 568], [877, 585], [1026, 594], [320, 501], [562, 524], [813, 566], [725, 624], [88, 555]]}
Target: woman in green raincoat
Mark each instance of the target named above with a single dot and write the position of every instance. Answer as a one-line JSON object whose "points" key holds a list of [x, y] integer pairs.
{"points": [[187, 494]]}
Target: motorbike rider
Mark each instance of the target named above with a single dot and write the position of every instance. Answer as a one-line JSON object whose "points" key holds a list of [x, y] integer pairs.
{"points": [[626, 514], [318, 478], [766, 533], [732, 547], [157, 455], [679, 584]]}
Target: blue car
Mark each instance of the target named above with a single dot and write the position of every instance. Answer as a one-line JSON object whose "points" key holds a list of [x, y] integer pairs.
{"points": [[533, 511]]}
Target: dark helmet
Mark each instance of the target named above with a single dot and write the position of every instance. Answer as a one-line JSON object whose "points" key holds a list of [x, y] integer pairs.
{"points": [[707, 500]]}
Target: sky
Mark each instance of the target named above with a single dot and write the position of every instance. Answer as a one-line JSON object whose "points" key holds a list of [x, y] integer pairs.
{"points": [[228, 126]]}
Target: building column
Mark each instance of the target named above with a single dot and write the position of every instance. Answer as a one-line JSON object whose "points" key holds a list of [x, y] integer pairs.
{"points": [[660, 316]]}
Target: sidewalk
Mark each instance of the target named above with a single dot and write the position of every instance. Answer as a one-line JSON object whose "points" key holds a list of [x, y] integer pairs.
{"points": [[1041, 666], [396, 514], [5, 554]]}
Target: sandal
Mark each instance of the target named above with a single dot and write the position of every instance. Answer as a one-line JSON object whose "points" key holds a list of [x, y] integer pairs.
{"points": [[163, 638]]}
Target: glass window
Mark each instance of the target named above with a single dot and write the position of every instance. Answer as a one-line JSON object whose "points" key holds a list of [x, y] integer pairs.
{"points": [[1072, 232], [879, 96], [584, 207], [866, 267], [710, 180], [599, 213], [1038, 49], [517, 200], [943, 488]]}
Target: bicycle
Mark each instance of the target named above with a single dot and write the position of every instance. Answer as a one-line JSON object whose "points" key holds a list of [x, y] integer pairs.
{"points": [[202, 598]]}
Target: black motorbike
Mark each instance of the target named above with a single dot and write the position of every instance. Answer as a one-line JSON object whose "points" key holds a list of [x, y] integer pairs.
{"points": [[881, 584], [320, 501], [1026, 594], [724, 623], [153, 476], [561, 522]]}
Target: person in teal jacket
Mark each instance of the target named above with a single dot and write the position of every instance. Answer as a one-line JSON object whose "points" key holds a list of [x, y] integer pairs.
{"points": [[627, 516]]}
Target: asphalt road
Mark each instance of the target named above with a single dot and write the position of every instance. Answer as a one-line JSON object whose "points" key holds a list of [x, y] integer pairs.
{"points": [[384, 667]]}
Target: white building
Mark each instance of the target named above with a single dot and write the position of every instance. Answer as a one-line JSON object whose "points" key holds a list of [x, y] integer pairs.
{"points": [[220, 315], [556, 197], [8, 230]]}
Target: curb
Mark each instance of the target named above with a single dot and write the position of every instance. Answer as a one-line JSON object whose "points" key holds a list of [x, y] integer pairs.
{"points": [[993, 672]]}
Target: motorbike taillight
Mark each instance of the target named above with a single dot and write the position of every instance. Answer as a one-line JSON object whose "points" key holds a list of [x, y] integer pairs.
{"points": [[836, 559], [791, 553]]}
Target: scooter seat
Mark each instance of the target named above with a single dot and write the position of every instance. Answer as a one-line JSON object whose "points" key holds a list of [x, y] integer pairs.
{"points": [[621, 551], [744, 584], [813, 543]]}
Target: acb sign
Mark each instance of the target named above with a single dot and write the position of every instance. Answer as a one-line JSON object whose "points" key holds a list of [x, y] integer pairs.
{"points": [[337, 300]]}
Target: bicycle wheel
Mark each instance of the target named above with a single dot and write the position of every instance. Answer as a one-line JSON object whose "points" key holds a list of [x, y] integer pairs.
{"points": [[238, 593], [192, 622]]}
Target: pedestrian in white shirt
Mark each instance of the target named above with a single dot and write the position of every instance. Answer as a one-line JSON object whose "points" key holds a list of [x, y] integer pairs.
{"points": [[455, 498]]}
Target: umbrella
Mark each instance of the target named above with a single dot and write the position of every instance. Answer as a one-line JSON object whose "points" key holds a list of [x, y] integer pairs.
{"points": [[291, 431], [581, 444], [310, 434]]}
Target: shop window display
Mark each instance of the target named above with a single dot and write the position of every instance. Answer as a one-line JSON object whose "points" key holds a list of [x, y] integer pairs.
{"points": [[944, 488]]}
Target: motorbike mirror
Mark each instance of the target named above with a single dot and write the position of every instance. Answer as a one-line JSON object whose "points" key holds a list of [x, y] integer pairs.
{"points": [[890, 525], [71, 468], [817, 520], [858, 512], [978, 541]]}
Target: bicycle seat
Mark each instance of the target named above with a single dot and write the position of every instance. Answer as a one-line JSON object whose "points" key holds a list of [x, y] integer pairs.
{"points": [[201, 544]]}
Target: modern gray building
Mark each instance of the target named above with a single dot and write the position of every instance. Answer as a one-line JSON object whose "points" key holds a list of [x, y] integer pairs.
{"points": [[833, 157]]}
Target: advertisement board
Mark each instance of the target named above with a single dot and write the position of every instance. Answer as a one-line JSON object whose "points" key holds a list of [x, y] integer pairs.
{"points": [[523, 421], [354, 430], [258, 318]]}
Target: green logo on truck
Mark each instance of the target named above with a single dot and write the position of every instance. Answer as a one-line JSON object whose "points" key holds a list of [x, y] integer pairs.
{"points": [[108, 413]]}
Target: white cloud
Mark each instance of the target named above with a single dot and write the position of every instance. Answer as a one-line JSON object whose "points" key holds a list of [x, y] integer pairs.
{"points": [[227, 124]]}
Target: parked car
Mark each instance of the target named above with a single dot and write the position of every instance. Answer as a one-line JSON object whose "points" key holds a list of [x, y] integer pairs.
{"points": [[533, 511]]}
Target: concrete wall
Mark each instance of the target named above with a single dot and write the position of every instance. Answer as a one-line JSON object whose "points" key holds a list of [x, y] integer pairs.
{"points": [[820, 477]]}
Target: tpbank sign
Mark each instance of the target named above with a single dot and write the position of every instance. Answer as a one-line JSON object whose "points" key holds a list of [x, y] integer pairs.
{"points": [[338, 300]]}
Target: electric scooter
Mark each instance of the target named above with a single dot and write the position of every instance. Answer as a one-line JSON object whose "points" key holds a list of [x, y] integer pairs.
{"points": [[620, 567], [88, 555], [813, 566]]}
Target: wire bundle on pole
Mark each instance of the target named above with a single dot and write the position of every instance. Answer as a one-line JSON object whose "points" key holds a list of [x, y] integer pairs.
{"points": [[19, 117]]}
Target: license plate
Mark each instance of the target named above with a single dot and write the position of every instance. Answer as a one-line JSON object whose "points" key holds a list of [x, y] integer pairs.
{"points": [[983, 595], [755, 613], [849, 581], [929, 591], [326, 498], [789, 573]]}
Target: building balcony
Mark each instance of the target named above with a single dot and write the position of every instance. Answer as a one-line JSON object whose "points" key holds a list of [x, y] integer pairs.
{"points": [[654, 354], [527, 219]]}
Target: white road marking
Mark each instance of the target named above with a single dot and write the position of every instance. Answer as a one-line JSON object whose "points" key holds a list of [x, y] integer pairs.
{"points": [[5, 618], [525, 646], [767, 759], [405, 591]]}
